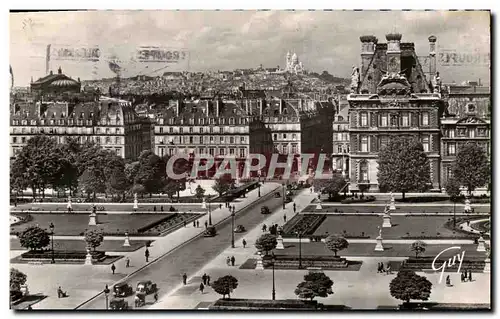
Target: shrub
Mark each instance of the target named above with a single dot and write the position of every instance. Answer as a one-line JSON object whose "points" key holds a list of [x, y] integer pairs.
{"points": [[365, 199], [34, 238]]}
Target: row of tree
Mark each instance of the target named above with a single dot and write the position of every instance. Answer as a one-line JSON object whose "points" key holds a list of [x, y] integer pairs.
{"points": [[404, 167], [88, 169]]}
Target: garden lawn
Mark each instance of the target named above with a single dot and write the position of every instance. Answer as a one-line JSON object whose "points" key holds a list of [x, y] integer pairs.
{"points": [[79, 245], [129, 207], [399, 209], [414, 225], [75, 224], [367, 250]]}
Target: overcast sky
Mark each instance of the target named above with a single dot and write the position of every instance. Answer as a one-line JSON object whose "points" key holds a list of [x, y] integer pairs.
{"points": [[225, 40]]}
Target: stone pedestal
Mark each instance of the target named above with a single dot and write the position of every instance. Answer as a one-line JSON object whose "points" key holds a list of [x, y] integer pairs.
{"points": [[260, 265], [480, 245], [69, 206], [393, 203], [379, 246], [467, 205], [386, 221], [126, 243], [279, 245], [93, 219], [24, 289], [88, 258], [136, 206], [203, 204], [487, 266]]}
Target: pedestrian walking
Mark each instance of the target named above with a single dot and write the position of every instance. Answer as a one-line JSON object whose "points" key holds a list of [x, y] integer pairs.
{"points": [[448, 281], [470, 275], [146, 254], [197, 224], [202, 287], [294, 208], [194, 223], [244, 242], [156, 297], [204, 278], [228, 261], [59, 292], [206, 224], [184, 278], [388, 269], [264, 227], [127, 262], [220, 206], [378, 267], [184, 223], [382, 270], [284, 218], [232, 260], [462, 277], [113, 268], [208, 280]]}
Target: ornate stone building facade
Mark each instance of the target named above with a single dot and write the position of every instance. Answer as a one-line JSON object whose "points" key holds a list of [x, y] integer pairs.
{"points": [[466, 119], [390, 96]]}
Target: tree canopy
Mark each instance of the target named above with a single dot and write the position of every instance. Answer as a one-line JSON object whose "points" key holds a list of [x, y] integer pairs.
{"points": [[225, 285], [34, 238], [17, 279], [403, 166], [453, 188], [266, 243], [418, 247], [472, 168], [407, 285], [223, 184], [336, 243], [315, 284], [93, 237]]}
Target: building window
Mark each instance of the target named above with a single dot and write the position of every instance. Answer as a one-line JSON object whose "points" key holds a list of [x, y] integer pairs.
{"points": [[462, 131], [275, 137], [117, 140], [294, 148], [231, 151], [108, 140], [405, 119], [14, 139], [284, 136], [211, 151], [221, 151], [231, 121], [339, 148], [231, 140], [191, 130], [221, 139], [363, 171], [364, 144], [242, 140], [471, 108], [201, 130], [161, 130], [451, 149], [171, 129], [425, 118], [181, 130], [364, 119], [190, 140], [211, 129], [98, 140], [242, 152], [383, 120], [294, 136], [425, 143], [481, 132], [451, 133], [211, 139]]}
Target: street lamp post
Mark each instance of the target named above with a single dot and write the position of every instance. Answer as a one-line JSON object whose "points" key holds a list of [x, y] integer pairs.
{"points": [[284, 194], [209, 214], [454, 218], [106, 293], [51, 226], [274, 286], [300, 249], [232, 226], [259, 185]]}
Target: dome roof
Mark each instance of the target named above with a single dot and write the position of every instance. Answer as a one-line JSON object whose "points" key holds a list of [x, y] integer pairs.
{"points": [[393, 37], [64, 83]]}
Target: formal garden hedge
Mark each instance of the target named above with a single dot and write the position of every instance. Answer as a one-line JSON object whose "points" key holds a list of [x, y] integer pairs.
{"points": [[62, 255], [292, 304], [306, 224], [364, 199]]}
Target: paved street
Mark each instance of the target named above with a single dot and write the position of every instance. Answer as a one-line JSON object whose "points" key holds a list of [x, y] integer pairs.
{"points": [[193, 255]]}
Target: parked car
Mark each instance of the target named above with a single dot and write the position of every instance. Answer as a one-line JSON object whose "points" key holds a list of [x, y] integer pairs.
{"points": [[122, 290], [118, 304], [147, 287], [210, 232], [239, 229], [265, 210], [288, 199]]}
